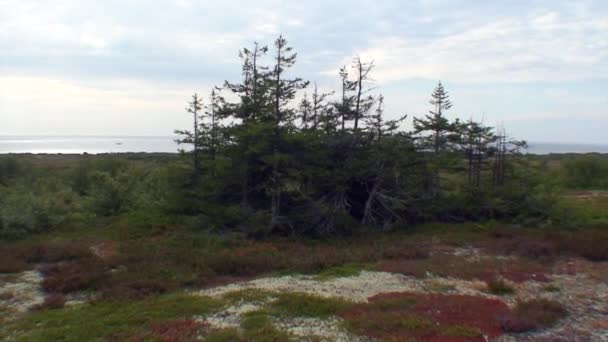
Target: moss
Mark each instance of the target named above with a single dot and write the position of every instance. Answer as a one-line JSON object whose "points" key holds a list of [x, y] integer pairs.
{"points": [[435, 286], [248, 295], [461, 331], [100, 320], [257, 326], [393, 303], [306, 305], [346, 270], [225, 335], [551, 288]]}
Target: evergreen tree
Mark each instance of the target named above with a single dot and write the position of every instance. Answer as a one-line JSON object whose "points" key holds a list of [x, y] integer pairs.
{"points": [[378, 126], [363, 101], [321, 111], [305, 110], [254, 106], [435, 133], [283, 91], [344, 106], [192, 137], [477, 144], [435, 125]]}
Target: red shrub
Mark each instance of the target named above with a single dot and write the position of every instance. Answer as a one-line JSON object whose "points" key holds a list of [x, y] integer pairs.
{"points": [[177, 331], [523, 245], [54, 251], [459, 267], [54, 301], [73, 276], [533, 314], [405, 251], [587, 244], [135, 289], [428, 317], [10, 263], [245, 261]]}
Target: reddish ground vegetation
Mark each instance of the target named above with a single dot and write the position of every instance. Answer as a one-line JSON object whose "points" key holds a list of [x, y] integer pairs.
{"points": [[245, 261], [11, 264], [136, 289], [20, 256], [173, 331], [72, 276], [592, 245], [49, 252], [588, 244], [428, 317], [105, 250], [54, 301], [532, 315], [459, 267]]}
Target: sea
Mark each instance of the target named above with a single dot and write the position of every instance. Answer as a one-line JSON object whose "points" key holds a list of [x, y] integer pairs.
{"points": [[38, 144]]}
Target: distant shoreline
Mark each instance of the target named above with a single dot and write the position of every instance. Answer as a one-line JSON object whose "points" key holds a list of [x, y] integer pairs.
{"points": [[122, 144]]}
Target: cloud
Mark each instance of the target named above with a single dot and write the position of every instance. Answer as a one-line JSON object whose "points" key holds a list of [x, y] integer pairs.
{"points": [[546, 46], [128, 59]]}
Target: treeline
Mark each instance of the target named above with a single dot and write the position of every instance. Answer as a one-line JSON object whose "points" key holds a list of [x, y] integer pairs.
{"points": [[274, 154]]}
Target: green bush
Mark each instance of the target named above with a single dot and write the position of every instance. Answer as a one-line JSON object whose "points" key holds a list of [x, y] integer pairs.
{"points": [[588, 172]]}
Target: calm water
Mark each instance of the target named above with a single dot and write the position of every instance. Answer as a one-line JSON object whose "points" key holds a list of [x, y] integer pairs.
{"points": [[118, 144], [89, 144]]}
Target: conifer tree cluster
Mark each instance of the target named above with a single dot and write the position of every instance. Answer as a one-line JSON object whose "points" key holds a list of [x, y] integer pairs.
{"points": [[273, 154]]}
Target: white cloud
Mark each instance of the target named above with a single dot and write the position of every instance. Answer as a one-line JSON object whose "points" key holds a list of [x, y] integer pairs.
{"points": [[124, 60], [545, 47]]}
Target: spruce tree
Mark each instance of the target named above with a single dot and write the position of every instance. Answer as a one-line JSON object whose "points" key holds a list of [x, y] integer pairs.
{"points": [[320, 108], [435, 126], [363, 101], [192, 137], [344, 106], [283, 91], [435, 134]]}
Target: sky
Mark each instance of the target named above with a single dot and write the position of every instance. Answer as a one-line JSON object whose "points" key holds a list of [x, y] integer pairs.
{"points": [[128, 67]]}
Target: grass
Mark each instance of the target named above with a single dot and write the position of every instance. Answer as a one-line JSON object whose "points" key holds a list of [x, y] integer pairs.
{"points": [[173, 330], [306, 305], [461, 331], [248, 296], [104, 319], [590, 211], [436, 286], [257, 326], [346, 270]]}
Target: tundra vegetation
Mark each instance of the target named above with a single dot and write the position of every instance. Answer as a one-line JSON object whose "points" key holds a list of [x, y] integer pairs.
{"points": [[278, 177]]}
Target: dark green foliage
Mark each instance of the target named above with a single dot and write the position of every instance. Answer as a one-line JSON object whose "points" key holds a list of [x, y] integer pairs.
{"points": [[588, 172], [262, 167], [106, 320]]}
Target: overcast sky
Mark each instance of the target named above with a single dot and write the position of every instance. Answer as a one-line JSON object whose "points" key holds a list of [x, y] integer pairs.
{"points": [[128, 66]]}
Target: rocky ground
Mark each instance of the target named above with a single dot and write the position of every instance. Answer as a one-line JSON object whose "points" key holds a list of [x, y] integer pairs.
{"points": [[577, 284]]}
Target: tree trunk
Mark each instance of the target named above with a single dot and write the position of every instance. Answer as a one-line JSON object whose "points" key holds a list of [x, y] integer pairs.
{"points": [[368, 216]]}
